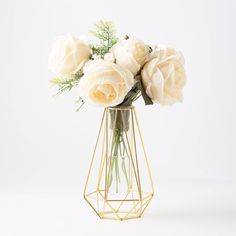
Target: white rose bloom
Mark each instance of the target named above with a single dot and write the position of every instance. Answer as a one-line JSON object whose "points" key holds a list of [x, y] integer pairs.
{"points": [[130, 54], [164, 76], [105, 83], [68, 55]]}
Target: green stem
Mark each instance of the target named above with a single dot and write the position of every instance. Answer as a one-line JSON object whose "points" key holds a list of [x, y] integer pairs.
{"points": [[118, 150], [123, 163]]}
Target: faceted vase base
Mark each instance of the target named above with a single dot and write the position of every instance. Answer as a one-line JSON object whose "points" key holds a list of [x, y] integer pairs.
{"points": [[118, 209]]}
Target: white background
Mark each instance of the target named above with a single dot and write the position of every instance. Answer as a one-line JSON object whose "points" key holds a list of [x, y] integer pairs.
{"points": [[45, 147]]}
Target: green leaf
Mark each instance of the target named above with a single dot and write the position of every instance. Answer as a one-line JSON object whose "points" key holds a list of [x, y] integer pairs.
{"points": [[131, 95], [137, 90], [146, 98]]}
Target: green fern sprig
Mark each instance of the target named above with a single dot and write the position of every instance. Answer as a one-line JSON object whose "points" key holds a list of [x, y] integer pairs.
{"points": [[105, 32], [66, 84]]}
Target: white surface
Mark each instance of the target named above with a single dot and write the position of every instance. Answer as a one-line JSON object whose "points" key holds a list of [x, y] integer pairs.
{"points": [[45, 147], [180, 209]]}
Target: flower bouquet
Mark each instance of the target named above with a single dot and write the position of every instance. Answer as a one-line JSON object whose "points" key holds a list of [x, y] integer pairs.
{"points": [[113, 73]]}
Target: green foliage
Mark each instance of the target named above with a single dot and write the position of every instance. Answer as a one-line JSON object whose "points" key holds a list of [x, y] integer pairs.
{"points": [[66, 84], [105, 32], [136, 91]]}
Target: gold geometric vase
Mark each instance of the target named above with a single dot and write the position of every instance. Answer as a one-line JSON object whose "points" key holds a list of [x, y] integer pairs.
{"points": [[119, 184]]}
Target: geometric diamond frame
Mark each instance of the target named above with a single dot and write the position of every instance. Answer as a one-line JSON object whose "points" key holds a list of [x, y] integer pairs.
{"points": [[133, 203]]}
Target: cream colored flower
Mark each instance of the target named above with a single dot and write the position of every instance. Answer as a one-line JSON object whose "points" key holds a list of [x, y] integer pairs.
{"points": [[130, 54], [68, 55], [164, 76], [105, 83]]}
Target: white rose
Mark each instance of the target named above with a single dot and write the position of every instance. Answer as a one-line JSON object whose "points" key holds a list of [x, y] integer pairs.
{"points": [[68, 55], [105, 83], [164, 76], [130, 54]]}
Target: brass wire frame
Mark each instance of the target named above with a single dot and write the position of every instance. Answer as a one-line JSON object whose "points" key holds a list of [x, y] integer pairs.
{"points": [[101, 194]]}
